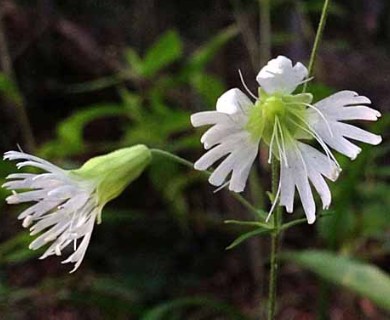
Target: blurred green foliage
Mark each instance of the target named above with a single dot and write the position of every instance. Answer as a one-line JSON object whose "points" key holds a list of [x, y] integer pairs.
{"points": [[152, 106], [365, 279]]}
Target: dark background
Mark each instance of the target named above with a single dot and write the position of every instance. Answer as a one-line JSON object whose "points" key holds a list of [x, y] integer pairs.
{"points": [[79, 78]]}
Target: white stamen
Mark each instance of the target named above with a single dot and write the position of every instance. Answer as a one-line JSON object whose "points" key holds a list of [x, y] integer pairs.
{"points": [[305, 80], [318, 111], [58, 250], [27, 221], [271, 144], [283, 146], [310, 130], [275, 202], [221, 187], [278, 141], [322, 116], [245, 86]]}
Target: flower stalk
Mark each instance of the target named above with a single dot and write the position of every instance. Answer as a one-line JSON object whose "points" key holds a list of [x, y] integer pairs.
{"points": [[317, 40], [275, 244], [190, 165]]}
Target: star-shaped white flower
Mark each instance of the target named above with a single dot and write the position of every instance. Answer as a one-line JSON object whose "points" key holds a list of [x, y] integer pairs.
{"points": [[282, 120], [68, 203]]}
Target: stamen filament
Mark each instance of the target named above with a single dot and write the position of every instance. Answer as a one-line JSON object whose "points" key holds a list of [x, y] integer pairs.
{"points": [[221, 187], [271, 144], [322, 116], [245, 86], [283, 142], [275, 202], [315, 135], [316, 110]]}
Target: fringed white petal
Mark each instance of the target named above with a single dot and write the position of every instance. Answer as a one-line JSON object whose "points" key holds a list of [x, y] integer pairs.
{"points": [[65, 210], [208, 118], [306, 164], [241, 170], [238, 163], [280, 76], [227, 137], [216, 134], [342, 106], [229, 144]]}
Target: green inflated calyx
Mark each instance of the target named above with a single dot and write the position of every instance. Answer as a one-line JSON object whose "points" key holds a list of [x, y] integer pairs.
{"points": [[114, 171], [282, 112]]}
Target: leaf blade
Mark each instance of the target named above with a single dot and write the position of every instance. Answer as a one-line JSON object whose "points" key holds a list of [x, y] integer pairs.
{"points": [[362, 278]]}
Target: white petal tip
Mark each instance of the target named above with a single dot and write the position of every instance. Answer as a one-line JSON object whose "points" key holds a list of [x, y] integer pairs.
{"points": [[335, 174], [354, 156], [287, 208], [12, 199], [199, 167], [193, 120], [27, 221], [376, 140], [311, 220]]}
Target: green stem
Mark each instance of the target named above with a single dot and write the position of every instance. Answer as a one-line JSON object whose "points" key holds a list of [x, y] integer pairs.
{"points": [[317, 40], [172, 157], [189, 164], [275, 243]]}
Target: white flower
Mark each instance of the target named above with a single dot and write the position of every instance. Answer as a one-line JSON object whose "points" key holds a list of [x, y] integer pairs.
{"points": [[69, 202], [282, 120]]}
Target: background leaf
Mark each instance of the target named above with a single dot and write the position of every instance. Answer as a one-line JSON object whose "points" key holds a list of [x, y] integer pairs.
{"points": [[160, 311], [165, 51], [364, 279]]}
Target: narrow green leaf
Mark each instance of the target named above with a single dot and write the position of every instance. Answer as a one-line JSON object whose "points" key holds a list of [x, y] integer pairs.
{"points": [[293, 223], [97, 84], [165, 51], [132, 102], [70, 132], [364, 279], [133, 60], [250, 223], [246, 236]]}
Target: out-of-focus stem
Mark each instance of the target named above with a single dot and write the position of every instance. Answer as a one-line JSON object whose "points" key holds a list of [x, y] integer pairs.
{"points": [[18, 106], [248, 36], [265, 31], [320, 30]]}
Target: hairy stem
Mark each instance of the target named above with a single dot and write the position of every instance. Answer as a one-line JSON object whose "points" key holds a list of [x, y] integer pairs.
{"points": [[320, 30], [275, 244]]}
